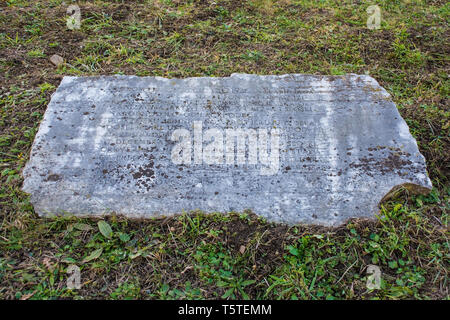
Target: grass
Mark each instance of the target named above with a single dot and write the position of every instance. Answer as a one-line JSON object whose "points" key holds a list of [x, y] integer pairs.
{"points": [[200, 256]]}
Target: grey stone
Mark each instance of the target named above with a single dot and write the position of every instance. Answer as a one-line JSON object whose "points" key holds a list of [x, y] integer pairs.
{"points": [[56, 60], [151, 146]]}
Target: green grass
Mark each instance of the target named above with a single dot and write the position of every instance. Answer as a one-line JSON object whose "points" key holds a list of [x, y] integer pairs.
{"points": [[200, 256]]}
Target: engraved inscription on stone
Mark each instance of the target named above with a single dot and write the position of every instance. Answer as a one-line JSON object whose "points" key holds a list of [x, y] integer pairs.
{"points": [[292, 148]]}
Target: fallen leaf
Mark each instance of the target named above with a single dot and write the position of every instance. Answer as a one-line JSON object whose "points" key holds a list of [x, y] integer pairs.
{"points": [[94, 255], [46, 262], [27, 296], [82, 226]]}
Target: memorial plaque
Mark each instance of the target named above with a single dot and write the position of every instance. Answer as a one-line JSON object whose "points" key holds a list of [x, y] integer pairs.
{"points": [[292, 148]]}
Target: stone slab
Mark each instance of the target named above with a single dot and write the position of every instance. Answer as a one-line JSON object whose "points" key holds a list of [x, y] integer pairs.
{"points": [[292, 148]]}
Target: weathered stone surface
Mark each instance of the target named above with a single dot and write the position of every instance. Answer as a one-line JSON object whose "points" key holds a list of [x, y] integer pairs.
{"points": [[320, 149]]}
